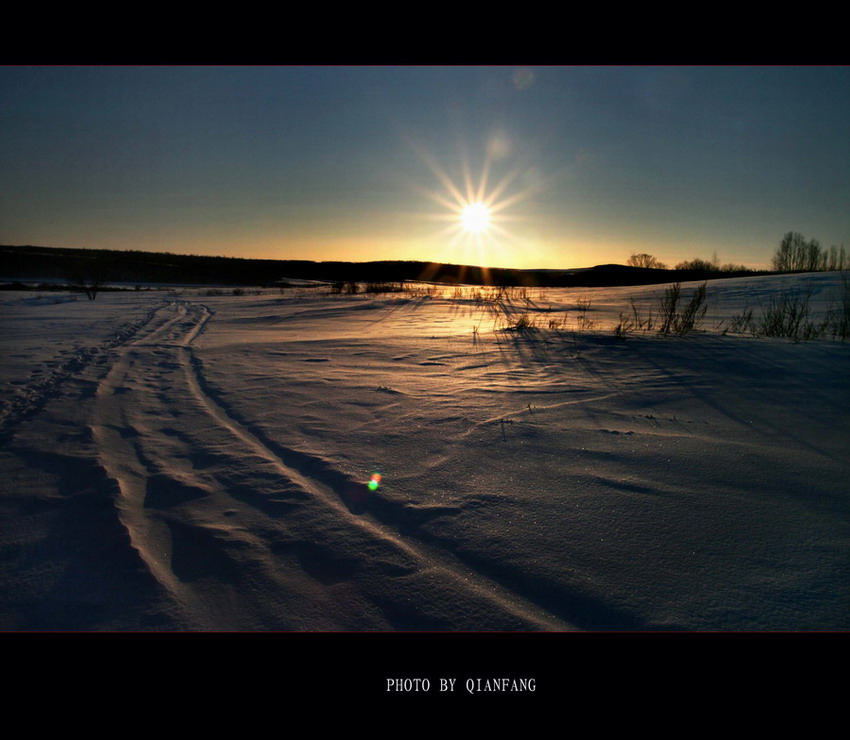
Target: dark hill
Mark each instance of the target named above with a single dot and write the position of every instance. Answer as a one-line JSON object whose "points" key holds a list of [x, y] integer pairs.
{"points": [[74, 265]]}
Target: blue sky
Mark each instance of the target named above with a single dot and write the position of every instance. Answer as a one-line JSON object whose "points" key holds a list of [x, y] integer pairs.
{"points": [[584, 165]]}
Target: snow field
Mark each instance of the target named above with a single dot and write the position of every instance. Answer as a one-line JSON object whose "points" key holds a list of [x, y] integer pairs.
{"points": [[201, 462]]}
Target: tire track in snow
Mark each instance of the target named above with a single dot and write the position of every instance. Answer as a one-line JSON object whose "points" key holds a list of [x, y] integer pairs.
{"points": [[180, 552], [113, 432], [185, 325]]}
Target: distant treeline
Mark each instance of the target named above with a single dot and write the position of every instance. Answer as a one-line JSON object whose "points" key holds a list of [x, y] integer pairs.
{"points": [[795, 253], [80, 266], [697, 264]]}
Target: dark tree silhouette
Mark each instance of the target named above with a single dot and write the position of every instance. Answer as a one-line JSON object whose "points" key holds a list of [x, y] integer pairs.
{"points": [[89, 275], [645, 260], [795, 253]]}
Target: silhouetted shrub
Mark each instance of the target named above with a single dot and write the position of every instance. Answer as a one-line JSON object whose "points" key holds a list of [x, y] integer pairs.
{"points": [[680, 319], [787, 314], [634, 321], [383, 287]]}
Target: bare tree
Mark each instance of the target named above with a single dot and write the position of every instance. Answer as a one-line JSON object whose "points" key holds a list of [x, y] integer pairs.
{"points": [[699, 264], [645, 260], [796, 253], [88, 276]]}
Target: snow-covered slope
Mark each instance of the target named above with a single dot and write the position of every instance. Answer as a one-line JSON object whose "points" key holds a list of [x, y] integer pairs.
{"points": [[201, 461]]}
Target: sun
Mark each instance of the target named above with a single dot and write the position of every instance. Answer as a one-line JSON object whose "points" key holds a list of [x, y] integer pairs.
{"points": [[475, 217], [476, 231]]}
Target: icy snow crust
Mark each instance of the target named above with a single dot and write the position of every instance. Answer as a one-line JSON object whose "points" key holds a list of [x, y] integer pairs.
{"points": [[187, 461]]}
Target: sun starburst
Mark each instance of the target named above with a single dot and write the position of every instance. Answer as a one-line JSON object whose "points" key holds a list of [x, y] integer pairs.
{"points": [[476, 232]]}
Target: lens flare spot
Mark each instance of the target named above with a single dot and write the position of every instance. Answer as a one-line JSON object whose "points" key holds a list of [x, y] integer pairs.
{"points": [[375, 482], [523, 79]]}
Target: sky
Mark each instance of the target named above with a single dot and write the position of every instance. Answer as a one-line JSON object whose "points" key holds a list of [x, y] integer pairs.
{"points": [[576, 166]]}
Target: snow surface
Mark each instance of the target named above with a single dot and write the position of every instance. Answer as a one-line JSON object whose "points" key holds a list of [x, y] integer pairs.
{"points": [[192, 461]]}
